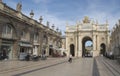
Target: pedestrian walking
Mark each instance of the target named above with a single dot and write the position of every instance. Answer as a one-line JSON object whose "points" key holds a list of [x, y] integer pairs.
{"points": [[70, 58]]}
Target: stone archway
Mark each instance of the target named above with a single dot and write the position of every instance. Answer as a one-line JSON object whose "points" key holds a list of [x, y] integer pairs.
{"points": [[102, 48], [86, 50], [72, 49], [85, 30]]}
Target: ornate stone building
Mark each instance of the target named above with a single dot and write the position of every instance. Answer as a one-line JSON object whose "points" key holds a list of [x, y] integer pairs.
{"points": [[20, 33], [85, 30], [115, 40]]}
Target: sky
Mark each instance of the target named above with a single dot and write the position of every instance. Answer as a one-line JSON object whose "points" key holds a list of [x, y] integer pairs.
{"points": [[59, 12]]}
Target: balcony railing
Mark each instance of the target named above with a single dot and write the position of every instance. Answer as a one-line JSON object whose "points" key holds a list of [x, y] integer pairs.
{"points": [[24, 39], [7, 36]]}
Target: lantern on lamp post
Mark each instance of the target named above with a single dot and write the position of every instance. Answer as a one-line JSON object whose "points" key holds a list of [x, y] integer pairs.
{"points": [[40, 19], [31, 14]]}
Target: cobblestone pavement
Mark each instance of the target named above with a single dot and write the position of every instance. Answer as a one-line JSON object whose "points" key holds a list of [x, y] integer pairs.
{"points": [[98, 66]]}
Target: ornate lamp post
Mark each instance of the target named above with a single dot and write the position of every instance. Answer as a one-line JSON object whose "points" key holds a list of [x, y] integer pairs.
{"points": [[57, 29], [53, 26], [40, 19], [31, 14], [47, 24]]}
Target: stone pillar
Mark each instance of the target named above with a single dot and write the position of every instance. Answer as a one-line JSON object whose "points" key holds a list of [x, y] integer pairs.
{"points": [[94, 42], [80, 47], [108, 42], [95, 52], [15, 50], [40, 42], [49, 43], [98, 44], [76, 47], [46, 45], [67, 46]]}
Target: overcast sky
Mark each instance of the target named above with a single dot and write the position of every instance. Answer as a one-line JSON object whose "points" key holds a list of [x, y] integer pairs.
{"points": [[58, 12]]}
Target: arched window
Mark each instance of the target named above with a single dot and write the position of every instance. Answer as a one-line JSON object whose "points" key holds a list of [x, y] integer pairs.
{"points": [[45, 39], [23, 34], [36, 37], [7, 31]]}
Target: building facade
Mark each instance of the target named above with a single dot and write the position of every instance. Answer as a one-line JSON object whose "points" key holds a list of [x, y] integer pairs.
{"points": [[115, 40], [85, 30], [20, 33]]}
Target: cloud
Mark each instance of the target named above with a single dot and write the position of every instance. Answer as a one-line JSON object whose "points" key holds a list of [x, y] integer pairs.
{"points": [[101, 10], [58, 23], [101, 17], [11, 3], [59, 13], [41, 1]]}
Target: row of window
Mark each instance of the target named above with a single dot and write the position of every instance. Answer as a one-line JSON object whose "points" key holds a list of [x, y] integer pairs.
{"points": [[8, 32]]}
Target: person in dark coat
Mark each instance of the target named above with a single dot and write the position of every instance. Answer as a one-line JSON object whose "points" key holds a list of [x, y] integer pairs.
{"points": [[4, 53], [70, 58]]}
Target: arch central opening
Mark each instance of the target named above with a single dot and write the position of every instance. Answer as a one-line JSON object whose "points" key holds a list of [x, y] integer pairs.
{"points": [[87, 47]]}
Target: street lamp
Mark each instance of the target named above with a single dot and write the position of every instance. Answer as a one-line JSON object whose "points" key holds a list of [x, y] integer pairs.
{"points": [[53, 26], [40, 19], [47, 24], [57, 29], [31, 14]]}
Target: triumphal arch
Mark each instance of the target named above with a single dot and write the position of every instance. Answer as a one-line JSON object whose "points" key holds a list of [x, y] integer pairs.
{"points": [[82, 31]]}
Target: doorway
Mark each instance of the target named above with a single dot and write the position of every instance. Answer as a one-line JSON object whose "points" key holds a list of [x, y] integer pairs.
{"points": [[87, 47], [72, 50]]}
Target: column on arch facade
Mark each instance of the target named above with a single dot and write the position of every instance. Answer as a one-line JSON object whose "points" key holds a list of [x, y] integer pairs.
{"points": [[108, 42], [98, 44], [94, 46], [76, 46], [80, 47], [67, 46]]}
